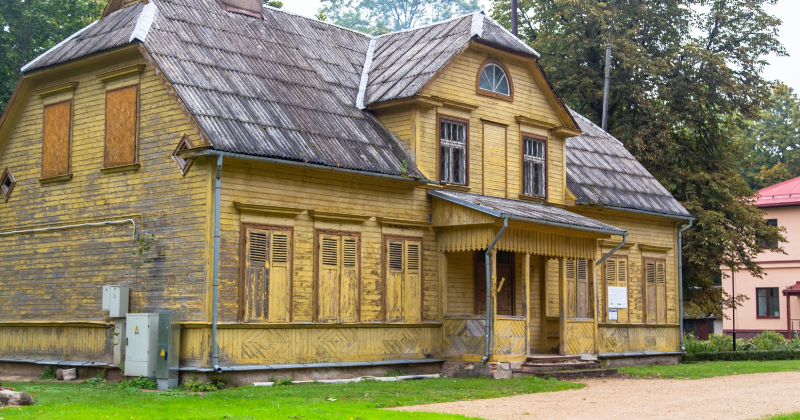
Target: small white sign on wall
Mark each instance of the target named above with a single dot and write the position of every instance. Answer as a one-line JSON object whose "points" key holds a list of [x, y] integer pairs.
{"points": [[612, 314], [618, 297]]}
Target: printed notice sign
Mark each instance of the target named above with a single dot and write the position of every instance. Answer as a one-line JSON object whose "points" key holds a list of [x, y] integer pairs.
{"points": [[618, 297], [612, 314]]}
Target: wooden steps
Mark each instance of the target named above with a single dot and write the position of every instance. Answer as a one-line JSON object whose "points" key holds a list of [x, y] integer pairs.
{"points": [[563, 367]]}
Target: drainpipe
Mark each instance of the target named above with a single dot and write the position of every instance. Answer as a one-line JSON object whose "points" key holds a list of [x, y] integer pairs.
{"points": [[489, 326], [215, 285], [597, 264], [680, 275]]}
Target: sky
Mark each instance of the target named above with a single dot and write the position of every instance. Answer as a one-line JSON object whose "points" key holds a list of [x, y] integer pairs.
{"points": [[785, 69]]}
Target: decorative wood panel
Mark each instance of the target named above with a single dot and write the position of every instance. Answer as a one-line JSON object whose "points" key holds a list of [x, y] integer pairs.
{"points": [[121, 118], [56, 139], [580, 337], [77, 343], [325, 344], [509, 336], [464, 336], [472, 238], [630, 338], [495, 154]]}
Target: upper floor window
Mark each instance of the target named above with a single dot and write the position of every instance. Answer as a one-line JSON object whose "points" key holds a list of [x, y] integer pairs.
{"points": [[453, 151], [56, 139], [493, 80], [763, 243], [767, 304], [121, 119], [534, 166]]}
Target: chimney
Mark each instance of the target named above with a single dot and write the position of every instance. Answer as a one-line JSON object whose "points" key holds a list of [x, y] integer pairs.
{"points": [[514, 18], [246, 7]]}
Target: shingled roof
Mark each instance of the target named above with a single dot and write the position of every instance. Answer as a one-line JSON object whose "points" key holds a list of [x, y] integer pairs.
{"points": [[601, 172]]}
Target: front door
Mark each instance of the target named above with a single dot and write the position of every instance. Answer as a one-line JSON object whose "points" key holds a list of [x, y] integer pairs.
{"points": [[505, 269]]}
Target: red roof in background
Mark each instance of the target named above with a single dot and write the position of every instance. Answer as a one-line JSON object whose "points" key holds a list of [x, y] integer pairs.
{"points": [[787, 193]]}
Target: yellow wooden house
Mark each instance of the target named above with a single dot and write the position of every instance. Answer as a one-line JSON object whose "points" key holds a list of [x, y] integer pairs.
{"points": [[320, 198]]}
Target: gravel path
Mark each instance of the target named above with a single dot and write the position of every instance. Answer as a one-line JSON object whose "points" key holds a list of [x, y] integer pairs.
{"points": [[725, 398]]}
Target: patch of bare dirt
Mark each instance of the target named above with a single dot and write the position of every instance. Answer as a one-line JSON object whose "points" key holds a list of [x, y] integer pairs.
{"points": [[735, 397]]}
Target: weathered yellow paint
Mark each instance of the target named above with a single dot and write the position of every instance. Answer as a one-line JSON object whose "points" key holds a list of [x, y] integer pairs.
{"points": [[55, 342], [635, 337], [580, 336]]}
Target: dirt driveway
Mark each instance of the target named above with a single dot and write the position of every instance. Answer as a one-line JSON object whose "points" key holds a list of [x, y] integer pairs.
{"points": [[724, 398]]}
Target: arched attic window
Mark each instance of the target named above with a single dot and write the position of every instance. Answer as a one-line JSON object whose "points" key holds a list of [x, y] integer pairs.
{"points": [[494, 80]]}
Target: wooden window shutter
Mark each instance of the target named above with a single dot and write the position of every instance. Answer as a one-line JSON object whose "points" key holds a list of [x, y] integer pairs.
{"points": [[256, 276], [350, 281], [56, 139], [121, 127], [661, 292], [413, 282], [572, 292], [582, 281], [279, 285], [329, 278], [403, 280], [650, 290]]}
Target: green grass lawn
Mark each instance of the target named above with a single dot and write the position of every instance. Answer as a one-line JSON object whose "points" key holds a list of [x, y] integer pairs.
{"points": [[795, 416], [710, 369], [357, 401]]}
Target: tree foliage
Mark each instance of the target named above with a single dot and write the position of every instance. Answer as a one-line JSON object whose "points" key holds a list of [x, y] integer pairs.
{"points": [[771, 142], [28, 28], [686, 74], [381, 16]]}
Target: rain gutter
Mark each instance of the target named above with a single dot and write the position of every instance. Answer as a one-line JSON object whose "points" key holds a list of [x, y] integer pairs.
{"points": [[215, 284], [680, 275], [489, 324]]}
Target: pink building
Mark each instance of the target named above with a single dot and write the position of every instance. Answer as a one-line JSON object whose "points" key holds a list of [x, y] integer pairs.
{"points": [[774, 302]]}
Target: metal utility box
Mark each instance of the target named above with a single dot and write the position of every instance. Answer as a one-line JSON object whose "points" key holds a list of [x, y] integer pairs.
{"points": [[115, 300], [141, 340], [169, 344]]}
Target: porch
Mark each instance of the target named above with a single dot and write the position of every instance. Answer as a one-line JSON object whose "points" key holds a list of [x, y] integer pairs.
{"points": [[542, 280]]}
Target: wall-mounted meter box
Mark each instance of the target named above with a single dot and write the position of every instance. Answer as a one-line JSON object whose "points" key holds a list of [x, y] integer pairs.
{"points": [[115, 300], [141, 340]]}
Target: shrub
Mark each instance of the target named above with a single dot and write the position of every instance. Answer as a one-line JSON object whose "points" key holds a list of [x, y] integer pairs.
{"points": [[768, 340], [758, 355], [138, 383], [193, 385], [48, 373]]}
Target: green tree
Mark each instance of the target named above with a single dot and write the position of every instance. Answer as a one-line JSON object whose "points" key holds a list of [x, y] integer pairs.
{"points": [[686, 74], [381, 16], [771, 142], [28, 28]]}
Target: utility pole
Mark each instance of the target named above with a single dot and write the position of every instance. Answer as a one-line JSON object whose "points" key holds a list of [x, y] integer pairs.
{"points": [[733, 296], [604, 125], [514, 18]]}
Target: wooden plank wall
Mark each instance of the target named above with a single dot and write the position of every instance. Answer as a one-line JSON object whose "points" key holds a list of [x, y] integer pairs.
{"points": [[58, 275], [458, 83], [78, 343]]}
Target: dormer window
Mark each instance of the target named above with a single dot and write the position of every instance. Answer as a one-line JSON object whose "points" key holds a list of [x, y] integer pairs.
{"points": [[493, 80]]}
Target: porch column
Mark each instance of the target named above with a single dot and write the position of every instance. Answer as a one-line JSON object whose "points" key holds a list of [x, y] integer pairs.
{"points": [[493, 290], [526, 298], [593, 307], [788, 318], [443, 284], [543, 281], [562, 305]]}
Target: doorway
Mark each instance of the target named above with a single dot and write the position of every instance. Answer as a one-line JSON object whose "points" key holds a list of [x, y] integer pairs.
{"points": [[505, 269]]}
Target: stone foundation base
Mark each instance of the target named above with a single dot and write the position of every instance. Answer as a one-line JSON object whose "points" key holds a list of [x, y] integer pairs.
{"points": [[478, 370], [12, 371]]}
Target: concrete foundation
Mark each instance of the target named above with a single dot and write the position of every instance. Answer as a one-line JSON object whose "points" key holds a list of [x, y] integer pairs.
{"points": [[478, 370], [29, 371], [643, 360]]}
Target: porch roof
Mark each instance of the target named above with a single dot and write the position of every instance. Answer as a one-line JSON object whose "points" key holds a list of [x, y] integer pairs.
{"points": [[541, 214], [792, 290]]}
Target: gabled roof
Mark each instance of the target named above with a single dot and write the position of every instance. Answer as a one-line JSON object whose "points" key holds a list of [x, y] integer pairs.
{"points": [[787, 193], [541, 214], [601, 172]]}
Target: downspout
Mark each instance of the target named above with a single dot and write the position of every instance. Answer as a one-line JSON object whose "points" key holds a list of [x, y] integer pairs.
{"points": [[215, 284], [597, 264], [489, 326], [680, 276]]}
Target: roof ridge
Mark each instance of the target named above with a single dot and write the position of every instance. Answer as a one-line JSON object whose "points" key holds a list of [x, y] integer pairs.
{"points": [[362, 87], [144, 22], [440, 22], [266, 6], [69, 38], [778, 184], [519, 41], [594, 125]]}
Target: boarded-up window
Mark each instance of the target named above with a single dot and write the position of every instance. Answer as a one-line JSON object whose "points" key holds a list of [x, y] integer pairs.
{"points": [[56, 139], [615, 274], [578, 293], [453, 153], [121, 110], [266, 279], [338, 272], [403, 279], [534, 166], [655, 286]]}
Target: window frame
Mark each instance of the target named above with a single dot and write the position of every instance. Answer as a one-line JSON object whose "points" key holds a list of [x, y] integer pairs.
{"points": [[768, 246], [496, 95], [135, 164], [243, 266], [646, 315], [758, 306], [317, 269], [439, 118], [627, 290], [7, 174], [385, 274], [546, 142], [67, 175]]}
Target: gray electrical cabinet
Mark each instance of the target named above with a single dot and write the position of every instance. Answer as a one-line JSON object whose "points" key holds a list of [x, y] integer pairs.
{"points": [[169, 344], [141, 340], [115, 300]]}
